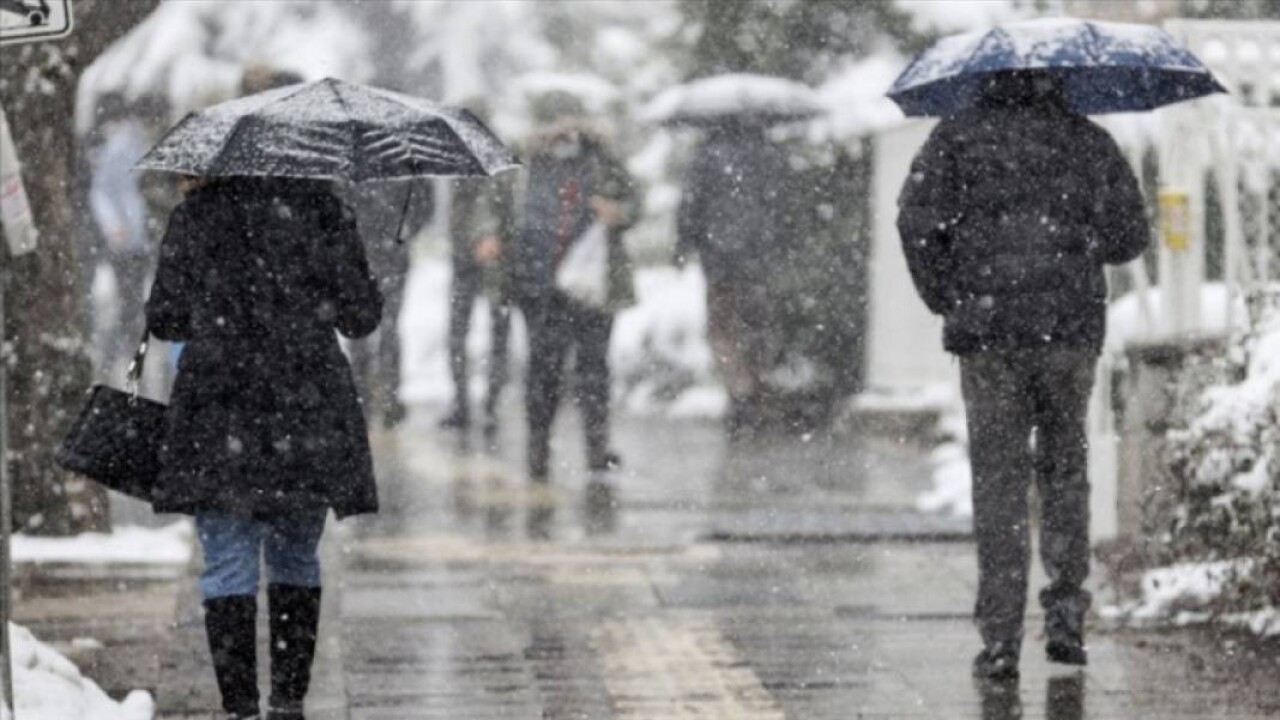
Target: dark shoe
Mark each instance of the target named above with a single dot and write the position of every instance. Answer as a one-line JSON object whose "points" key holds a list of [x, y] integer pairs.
{"points": [[490, 428], [1067, 650], [539, 461], [1064, 628], [394, 414], [295, 617], [606, 462], [997, 662], [231, 624], [459, 418]]}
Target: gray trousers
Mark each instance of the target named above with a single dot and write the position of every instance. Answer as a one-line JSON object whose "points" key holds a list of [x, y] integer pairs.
{"points": [[1027, 411]]}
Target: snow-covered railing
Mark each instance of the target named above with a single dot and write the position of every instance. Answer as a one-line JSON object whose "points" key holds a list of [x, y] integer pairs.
{"points": [[1235, 139]]}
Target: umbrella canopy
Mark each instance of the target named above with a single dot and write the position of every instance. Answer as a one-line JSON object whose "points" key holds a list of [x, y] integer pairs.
{"points": [[1104, 67], [330, 130], [741, 97]]}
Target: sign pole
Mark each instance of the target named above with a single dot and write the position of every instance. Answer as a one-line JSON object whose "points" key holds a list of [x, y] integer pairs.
{"points": [[6, 514], [21, 236]]}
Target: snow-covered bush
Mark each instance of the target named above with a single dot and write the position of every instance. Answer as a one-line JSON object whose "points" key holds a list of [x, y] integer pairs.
{"points": [[1223, 466], [48, 686]]}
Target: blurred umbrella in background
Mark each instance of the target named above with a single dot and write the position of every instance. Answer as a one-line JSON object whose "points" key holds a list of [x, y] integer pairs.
{"points": [[738, 97], [1104, 67]]}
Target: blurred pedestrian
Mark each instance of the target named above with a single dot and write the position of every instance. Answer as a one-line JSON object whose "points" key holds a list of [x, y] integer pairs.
{"points": [[732, 215], [573, 184], [388, 216], [119, 213], [265, 430], [1009, 215], [260, 77], [481, 228]]}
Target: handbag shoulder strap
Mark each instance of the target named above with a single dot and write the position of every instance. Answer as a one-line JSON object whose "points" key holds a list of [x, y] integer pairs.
{"points": [[133, 376]]}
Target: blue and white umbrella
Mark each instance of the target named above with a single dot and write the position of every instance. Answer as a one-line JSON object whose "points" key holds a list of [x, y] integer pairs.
{"points": [[1104, 67]]}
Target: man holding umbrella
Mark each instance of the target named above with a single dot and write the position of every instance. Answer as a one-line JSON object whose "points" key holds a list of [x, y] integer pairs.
{"points": [[1011, 210]]}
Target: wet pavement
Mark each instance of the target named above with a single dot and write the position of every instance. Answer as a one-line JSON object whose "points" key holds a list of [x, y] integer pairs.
{"points": [[783, 578]]}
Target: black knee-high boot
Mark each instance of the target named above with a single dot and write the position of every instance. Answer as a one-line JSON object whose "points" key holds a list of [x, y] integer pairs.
{"points": [[231, 624], [295, 617]]}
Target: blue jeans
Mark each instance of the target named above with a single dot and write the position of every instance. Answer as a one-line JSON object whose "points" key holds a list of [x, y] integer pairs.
{"points": [[233, 546]]}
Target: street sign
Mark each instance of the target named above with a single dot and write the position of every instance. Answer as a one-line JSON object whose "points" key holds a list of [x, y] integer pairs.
{"points": [[15, 209], [34, 20]]}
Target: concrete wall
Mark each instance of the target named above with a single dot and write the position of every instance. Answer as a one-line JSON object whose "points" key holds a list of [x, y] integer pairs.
{"points": [[904, 341]]}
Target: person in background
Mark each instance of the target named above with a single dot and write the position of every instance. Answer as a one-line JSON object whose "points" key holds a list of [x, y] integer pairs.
{"points": [[388, 215], [119, 214], [265, 433], [481, 227], [573, 182], [731, 215], [1008, 217]]}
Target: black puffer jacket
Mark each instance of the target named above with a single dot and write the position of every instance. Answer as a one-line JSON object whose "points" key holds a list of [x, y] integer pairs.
{"points": [[255, 276], [1007, 218]]}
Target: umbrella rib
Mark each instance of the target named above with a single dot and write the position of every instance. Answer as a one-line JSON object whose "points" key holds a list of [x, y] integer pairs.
{"points": [[236, 128]]}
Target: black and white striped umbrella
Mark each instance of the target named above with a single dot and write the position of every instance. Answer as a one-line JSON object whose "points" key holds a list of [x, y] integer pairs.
{"points": [[333, 130]]}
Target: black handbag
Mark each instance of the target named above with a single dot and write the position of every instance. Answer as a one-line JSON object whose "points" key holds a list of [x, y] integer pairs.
{"points": [[116, 438]]}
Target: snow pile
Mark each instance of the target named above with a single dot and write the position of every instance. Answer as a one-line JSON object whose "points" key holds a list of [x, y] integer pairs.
{"points": [[1134, 317], [952, 491], [49, 687], [855, 96], [1183, 594], [937, 397], [731, 95], [659, 346], [149, 546]]}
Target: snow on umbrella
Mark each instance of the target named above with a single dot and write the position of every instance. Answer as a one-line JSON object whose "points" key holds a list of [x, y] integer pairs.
{"points": [[740, 96], [331, 130], [1104, 67]]}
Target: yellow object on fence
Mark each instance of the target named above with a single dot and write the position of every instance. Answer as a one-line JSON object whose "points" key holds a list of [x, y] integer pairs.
{"points": [[1175, 218]]}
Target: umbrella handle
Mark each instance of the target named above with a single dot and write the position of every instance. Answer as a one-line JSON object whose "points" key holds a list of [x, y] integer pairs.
{"points": [[404, 212]]}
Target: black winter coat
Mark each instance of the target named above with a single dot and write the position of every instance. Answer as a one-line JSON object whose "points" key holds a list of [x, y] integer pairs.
{"points": [[255, 276], [557, 212], [731, 205], [1007, 219]]}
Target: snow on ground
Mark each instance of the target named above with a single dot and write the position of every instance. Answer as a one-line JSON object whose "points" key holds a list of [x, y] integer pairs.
{"points": [[659, 355], [952, 478], [1182, 594], [1134, 317], [47, 686], [159, 546], [952, 482]]}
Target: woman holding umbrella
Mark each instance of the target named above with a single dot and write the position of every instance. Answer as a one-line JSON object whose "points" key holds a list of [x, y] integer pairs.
{"points": [[260, 265]]}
